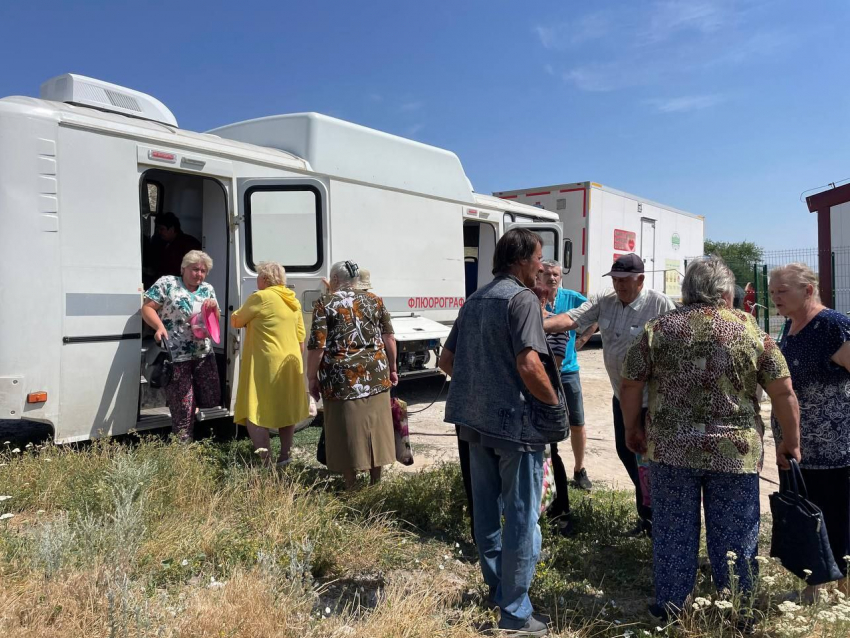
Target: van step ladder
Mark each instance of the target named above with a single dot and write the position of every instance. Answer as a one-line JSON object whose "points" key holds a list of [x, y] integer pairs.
{"points": [[208, 414]]}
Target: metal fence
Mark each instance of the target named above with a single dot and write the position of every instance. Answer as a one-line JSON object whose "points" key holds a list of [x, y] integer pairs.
{"points": [[836, 296]]}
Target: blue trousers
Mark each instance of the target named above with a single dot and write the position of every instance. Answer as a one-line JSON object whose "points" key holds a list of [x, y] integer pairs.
{"points": [[507, 483], [732, 517]]}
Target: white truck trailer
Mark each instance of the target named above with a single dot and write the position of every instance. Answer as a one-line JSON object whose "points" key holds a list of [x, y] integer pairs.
{"points": [[86, 169], [601, 223]]}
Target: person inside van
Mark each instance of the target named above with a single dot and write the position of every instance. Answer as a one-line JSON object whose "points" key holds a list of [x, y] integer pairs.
{"points": [[173, 244]]}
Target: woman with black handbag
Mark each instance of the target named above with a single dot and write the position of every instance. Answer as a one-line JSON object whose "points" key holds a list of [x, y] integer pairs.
{"points": [[816, 343], [703, 363]]}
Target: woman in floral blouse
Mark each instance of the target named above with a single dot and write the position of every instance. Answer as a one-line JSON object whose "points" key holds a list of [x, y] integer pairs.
{"points": [[816, 343], [168, 308], [351, 364], [703, 363]]}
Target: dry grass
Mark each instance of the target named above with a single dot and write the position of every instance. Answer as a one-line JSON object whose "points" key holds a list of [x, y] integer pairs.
{"points": [[164, 540], [167, 540]]}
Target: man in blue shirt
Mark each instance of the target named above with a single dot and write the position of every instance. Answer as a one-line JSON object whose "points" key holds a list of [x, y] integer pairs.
{"points": [[563, 301]]}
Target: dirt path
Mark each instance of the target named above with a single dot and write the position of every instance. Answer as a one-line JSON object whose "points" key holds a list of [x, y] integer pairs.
{"points": [[433, 440]]}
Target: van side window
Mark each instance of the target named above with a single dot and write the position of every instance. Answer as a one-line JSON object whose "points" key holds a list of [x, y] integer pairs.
{"points": [[567, 262], [550, 249], [284, 224]]}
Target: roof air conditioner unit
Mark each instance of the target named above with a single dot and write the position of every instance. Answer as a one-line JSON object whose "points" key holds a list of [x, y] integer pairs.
{"points": [[78, 89]]}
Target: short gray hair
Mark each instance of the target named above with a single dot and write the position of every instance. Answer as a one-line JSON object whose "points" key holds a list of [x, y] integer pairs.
{"points": [[272, 272], [551, 263], [343, 276], [799, 275], [706, 280], [196, 257]]}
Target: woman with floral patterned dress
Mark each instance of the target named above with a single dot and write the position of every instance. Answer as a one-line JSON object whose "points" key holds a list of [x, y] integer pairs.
{"points": [[168, 308], [351, 364], [816, 343], [703, 363]]}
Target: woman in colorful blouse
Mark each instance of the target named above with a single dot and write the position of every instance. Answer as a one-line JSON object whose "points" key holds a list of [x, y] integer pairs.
{"points": [[271, 393], [168, 308], [816, 343], [351, 364], [703, 363]]}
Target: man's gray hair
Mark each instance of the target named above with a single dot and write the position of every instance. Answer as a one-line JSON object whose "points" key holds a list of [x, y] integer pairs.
{"points": [[551, 263], [343, 276], [706, 280]]}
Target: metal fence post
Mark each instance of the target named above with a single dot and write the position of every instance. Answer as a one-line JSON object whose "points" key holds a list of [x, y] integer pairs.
{"points": [[832, 302], [756, 286], [766, 303]]}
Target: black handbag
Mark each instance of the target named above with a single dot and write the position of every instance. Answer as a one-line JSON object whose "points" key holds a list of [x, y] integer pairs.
{"points": [[162, 368], [799, 539]]}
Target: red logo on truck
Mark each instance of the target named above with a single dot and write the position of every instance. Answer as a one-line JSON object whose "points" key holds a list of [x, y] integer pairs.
{"points": [[430, 303]]}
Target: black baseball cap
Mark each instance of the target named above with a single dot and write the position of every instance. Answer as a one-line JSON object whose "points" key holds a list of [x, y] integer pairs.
{"points": [[626, 266]]}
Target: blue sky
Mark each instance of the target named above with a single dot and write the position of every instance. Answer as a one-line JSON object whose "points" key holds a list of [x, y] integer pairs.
{"points": [[728, 109]]}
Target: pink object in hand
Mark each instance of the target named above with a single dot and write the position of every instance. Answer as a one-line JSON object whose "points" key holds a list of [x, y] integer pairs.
{"points": [[198, 328], [211, 324]]}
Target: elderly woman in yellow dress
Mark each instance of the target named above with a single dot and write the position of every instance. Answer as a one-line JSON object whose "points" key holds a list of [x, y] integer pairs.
{"points": [[271, 394]]}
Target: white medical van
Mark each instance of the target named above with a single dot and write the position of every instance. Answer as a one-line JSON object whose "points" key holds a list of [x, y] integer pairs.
{"points": [[602, 223], [86, 169]]}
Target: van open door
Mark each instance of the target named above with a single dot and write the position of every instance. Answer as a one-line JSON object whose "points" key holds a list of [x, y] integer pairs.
{"points": [[554, 247], [282, 219]]}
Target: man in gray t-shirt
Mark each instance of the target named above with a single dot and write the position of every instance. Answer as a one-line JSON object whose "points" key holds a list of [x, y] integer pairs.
{"points": [[505, 400]]}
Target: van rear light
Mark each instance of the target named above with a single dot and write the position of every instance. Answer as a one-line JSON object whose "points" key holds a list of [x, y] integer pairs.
{"points": [[37, 397]]}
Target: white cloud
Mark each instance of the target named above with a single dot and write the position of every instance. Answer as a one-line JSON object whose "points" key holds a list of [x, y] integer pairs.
{"points": [[600, 78], [759, 45], [549, 37], [620, 74], [375, 97], [413, 130], [662, 42], [593, 26], [672, 16], [410, 106], [685, 103]]}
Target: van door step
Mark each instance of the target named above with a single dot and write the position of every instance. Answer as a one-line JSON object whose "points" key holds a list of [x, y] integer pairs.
{"points": [[208, 414]]}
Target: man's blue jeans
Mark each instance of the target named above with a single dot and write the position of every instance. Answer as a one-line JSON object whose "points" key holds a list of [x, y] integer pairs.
{"points": [[509, 483]]}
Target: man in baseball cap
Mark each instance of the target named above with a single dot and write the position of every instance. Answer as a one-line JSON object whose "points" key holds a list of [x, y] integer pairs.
{"points": [[621, 314], [626, 266]]}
